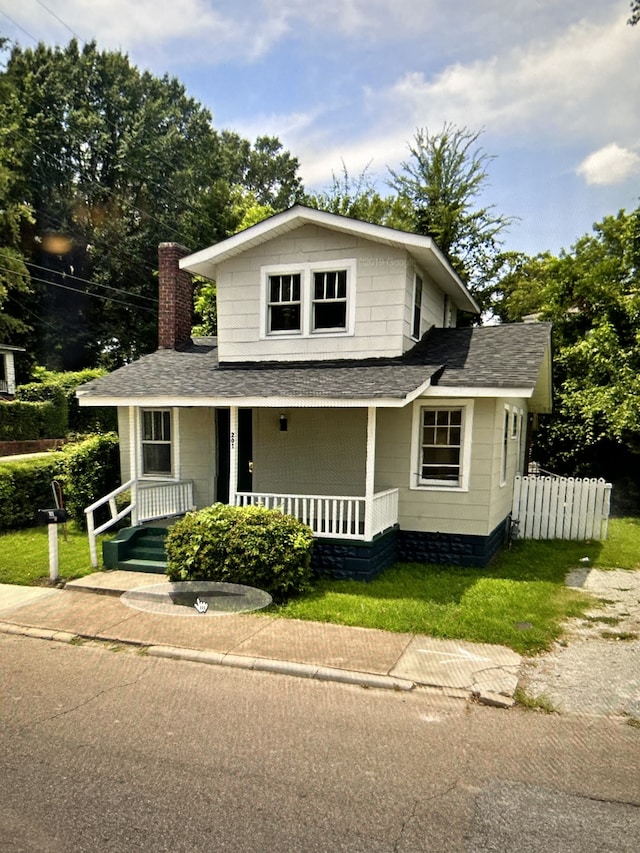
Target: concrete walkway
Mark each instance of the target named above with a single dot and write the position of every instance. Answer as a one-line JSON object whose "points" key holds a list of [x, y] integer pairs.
{"points": [[91, 608]]}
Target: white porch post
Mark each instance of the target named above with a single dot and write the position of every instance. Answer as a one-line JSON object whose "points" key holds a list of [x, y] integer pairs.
{"points": [[233, 454], [370, 473], [135, 451]]}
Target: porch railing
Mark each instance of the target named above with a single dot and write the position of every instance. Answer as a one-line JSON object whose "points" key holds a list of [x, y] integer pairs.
{"points": [[335, 516], [146, 502]]}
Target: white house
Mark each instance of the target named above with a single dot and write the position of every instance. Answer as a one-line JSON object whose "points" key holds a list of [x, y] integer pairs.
{"points": [[339, 388], [7, 370]]}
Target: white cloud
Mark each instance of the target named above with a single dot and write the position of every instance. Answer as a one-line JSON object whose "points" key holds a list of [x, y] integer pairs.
{"points": [[548, 87], [609, 165]]}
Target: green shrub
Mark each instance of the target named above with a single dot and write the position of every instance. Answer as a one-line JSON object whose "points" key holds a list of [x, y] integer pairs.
{"points": [[28, 421], [25, 487], [247, 545], [86, 471], [60, 388]]}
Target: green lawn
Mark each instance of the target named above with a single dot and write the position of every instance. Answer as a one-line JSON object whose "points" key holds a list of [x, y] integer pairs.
{"points": [[24, 555], [525, 586]]}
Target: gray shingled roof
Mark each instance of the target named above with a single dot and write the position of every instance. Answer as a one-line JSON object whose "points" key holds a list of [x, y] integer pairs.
{"points": [[506, 356]]}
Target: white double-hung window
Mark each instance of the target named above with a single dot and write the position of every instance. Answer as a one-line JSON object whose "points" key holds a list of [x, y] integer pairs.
{"points": [[441, 445], [308, 299], [156, 442]]}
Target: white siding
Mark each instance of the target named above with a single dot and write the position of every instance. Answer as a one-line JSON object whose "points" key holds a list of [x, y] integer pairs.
{"points": [[503, 492], [379, 299], [441, 510], [124, 443], [322, 452], [197, 453]]}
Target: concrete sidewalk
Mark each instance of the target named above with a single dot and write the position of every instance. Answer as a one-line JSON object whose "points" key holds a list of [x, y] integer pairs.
{"points": [[91, 608]]}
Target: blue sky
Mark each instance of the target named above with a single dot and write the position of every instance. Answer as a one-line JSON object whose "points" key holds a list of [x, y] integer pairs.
{"points": [[553, 86]]}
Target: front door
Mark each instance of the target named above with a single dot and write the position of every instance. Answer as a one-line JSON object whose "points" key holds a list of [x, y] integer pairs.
{"points": [[245, 452]]}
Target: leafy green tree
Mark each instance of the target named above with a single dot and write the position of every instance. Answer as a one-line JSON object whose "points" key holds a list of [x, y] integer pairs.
{"points": [[116, 161], [592, 295], [358, 198], [440, 186], [15, 215]]}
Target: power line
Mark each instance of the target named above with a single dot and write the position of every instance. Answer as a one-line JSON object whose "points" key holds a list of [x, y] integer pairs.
{"points": [[51, 12], [83, 292], [16, 24], [92, 283]]}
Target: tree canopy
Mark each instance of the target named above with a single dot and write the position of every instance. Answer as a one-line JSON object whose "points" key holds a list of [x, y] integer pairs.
{"points": [[111, 162], [440, 189], [592, 295]]}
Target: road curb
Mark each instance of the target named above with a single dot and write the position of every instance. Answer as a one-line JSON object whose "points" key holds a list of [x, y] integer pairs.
{"points": [[281, 667], [301, 670]]}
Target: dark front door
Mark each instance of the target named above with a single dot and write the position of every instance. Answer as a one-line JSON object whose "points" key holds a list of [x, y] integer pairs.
{"points": [[245, 450]]}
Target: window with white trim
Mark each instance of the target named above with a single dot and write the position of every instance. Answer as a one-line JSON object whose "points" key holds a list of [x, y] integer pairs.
{"points": [[156, 442], [417, 307], [329, 300], [284, 303], [441, 446], [505, 448], [309, 299]]}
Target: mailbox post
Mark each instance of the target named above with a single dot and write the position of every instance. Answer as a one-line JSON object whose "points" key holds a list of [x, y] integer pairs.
{"points": [[52, 518]]}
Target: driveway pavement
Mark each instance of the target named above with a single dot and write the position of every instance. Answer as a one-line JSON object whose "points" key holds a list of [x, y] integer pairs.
{"points": [[595, 669]]}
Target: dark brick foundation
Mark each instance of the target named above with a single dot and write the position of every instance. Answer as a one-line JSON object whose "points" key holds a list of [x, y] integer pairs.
{"points": [[343, 559], [455, 549]]}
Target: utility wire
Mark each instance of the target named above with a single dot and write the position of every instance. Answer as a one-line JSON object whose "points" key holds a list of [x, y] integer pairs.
{"points": [[66, 26], [92, 283], [83, 292]]}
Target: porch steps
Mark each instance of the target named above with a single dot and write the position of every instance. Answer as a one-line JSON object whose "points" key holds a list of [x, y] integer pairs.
{"points": [[136, 549]]}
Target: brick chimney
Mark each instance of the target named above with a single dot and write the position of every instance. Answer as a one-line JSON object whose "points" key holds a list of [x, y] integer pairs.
{"points": [[175, 293]]}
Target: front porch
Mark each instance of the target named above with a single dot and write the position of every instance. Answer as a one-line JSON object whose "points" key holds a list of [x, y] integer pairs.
{"points": [[350, 530]]}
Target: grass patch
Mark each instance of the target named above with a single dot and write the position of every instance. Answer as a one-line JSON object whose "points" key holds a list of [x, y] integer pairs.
{"points": [[24, 555], [535, 703], [525, 585]]}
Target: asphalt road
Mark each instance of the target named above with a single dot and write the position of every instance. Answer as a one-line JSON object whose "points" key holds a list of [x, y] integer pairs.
{"points": [[107, 750]]}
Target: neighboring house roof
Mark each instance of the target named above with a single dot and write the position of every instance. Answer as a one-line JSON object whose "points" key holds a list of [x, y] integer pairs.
{"points": [[423, 249], [487, 361]]}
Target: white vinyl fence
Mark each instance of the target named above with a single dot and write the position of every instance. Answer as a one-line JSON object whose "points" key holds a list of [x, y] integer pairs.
{"points": [[560, 508]]}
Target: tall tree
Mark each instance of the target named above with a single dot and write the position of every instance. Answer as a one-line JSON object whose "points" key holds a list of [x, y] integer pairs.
{"points": [[441, 185], [116, 161], [359, 198], [592, 295], [15, 215]]}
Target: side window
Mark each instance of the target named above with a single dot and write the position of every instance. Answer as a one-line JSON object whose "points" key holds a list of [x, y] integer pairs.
{"points": [[417, 307], [284, 303], [441, 447], [505, 448], [156, 442]]}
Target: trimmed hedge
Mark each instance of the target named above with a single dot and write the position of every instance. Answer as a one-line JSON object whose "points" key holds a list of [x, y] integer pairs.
{"points": [[60, 388], [86, 471], [247, 545], [26, 421]]}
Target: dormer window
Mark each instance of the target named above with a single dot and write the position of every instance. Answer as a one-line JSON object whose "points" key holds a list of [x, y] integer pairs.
{"points": [[330, 300], [309, 299], [284, 303]]}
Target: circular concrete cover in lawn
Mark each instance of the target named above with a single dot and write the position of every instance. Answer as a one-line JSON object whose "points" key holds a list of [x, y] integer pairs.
{"points": [[196, 598]]}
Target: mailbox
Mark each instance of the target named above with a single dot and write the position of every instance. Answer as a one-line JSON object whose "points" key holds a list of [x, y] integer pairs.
{"points": [[52, 516]]}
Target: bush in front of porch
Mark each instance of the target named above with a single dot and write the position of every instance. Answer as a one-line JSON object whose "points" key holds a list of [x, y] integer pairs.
{"points": [[248, 545]]}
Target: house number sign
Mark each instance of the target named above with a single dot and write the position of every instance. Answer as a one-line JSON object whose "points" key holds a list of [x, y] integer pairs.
{"points": [[233, 440]]}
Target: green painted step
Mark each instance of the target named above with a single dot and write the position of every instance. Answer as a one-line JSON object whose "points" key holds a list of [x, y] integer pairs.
{"points": [[136, 549]]}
